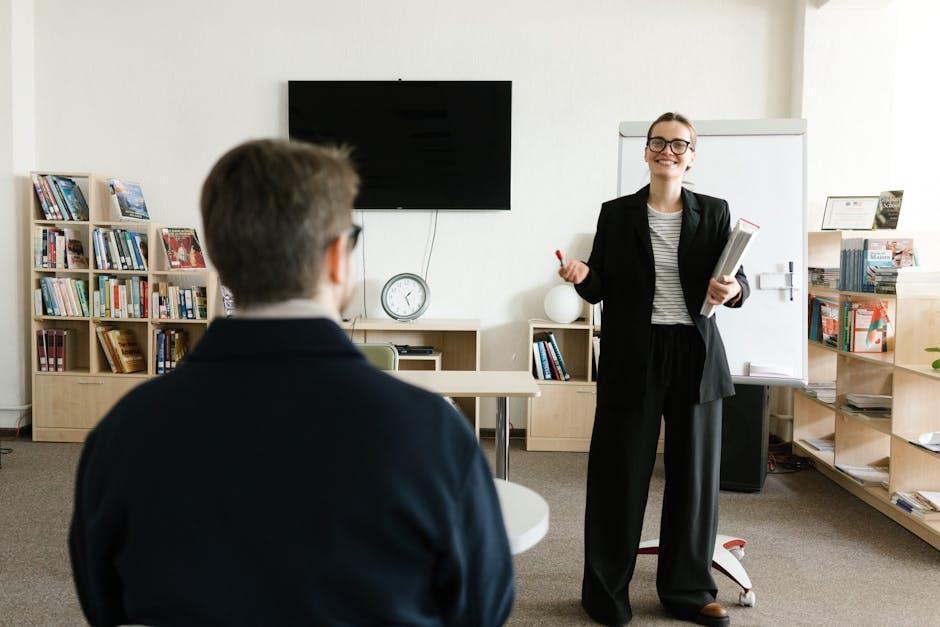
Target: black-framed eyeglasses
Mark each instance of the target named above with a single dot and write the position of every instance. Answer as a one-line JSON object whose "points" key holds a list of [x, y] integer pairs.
{"points": [[352, 235], [678, 146]]}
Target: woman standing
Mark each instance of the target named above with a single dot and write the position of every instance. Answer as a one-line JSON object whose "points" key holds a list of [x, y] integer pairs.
{"points": [[651, 264]]}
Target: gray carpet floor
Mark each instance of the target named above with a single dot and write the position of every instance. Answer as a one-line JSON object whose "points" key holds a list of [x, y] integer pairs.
{"points": [[816, 555]]}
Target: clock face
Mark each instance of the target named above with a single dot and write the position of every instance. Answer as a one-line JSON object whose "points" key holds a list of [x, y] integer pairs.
{"points": [[405, 297]]}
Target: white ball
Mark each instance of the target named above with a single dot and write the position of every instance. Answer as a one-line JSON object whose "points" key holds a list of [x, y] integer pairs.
{"points": [[562, 304]]}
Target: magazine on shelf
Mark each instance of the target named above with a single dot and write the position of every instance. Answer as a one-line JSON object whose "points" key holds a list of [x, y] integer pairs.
{"points": [[128, 199], [866, 475], [888, 211], [182, 248], [740, 239]]}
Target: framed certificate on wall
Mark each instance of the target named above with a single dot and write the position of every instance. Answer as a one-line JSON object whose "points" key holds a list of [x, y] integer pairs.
{"points": [[849, 212]]}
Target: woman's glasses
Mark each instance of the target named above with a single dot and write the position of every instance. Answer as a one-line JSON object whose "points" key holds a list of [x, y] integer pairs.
{"points": [[678, 146]]}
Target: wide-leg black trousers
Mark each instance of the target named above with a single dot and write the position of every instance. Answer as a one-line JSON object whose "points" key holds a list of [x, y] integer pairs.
{"points": [[623, 451]]}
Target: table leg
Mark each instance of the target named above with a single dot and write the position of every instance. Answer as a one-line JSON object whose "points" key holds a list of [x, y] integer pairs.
{"points": [[502, 437]]}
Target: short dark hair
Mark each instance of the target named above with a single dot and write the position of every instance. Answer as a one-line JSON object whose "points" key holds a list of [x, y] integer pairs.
{"points": [[270, 208]]}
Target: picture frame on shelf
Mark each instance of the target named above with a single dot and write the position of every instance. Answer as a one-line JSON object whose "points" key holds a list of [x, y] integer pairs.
{"points": [[855, 213]]}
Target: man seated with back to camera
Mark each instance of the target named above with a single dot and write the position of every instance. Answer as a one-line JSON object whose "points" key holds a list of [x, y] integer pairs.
{"points": [[369, 503]]}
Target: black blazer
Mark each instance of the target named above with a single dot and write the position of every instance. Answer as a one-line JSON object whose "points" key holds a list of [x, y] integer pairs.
{"points": [[622, 275], [276, 478]]}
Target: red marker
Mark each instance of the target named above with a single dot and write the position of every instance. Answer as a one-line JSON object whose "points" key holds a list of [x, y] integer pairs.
{"points": [[561, 260]]}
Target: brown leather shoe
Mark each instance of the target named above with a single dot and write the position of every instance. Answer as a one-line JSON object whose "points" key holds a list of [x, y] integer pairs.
{"points": [[713, 615]]}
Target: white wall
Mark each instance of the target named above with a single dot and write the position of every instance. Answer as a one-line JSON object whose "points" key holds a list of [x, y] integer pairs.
{"points": [[16, 158], [157, 91]]}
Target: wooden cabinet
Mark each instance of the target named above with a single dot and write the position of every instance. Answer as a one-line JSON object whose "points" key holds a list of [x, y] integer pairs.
{"points": [[66, 406], [561, 418]]}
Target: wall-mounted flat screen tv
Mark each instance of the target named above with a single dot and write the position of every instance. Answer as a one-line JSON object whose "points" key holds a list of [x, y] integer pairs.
{"points": [[417, 144]]}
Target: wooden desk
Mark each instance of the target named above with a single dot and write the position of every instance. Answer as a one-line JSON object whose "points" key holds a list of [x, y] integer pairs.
{"points": [[479, 384], [525, 514]]}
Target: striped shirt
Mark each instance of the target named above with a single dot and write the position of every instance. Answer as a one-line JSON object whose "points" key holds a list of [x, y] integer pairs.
{"points": [[668, 301]]}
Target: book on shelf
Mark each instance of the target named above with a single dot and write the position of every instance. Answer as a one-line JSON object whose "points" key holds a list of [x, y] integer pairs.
{"points": [[825, 391], [740, 239], [119, 249], [865, 326], [119, 298], [827, 443], [823, 277], [871, 264], [55, 350], [888, 210], [869, 401], [174, 302], [127, 200], [915, 504], [60, 197], [228, 301], [64, 297], [871, 475], [549, 363], [824, 320], [170, 347], [182, 248], [121, 349], [55, 248]]}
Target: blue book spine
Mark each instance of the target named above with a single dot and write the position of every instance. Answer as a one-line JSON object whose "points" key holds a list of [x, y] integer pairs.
{"points": [[557, 351], [47, 300], [160, 368], [544, 357]]}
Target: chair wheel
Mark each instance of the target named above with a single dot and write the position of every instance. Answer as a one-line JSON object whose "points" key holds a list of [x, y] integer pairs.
{"points": [[738, 552], [747, 599]]}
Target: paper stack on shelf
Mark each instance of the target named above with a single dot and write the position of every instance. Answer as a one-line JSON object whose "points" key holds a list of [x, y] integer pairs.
{"points": [[822, 390], [930, 441], [824, 277], [869, 402], [875, 474], [738, 242], [916, 504], [827, 443]]}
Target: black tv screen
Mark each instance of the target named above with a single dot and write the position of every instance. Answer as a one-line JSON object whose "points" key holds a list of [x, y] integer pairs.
{"points": [[416, 144]]}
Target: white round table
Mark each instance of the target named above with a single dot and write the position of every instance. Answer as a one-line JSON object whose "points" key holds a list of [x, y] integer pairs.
{"points": [[525, 513]]}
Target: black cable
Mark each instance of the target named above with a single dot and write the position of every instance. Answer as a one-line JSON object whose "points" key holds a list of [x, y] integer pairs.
{"points": [[427, 266], [362, 246]]}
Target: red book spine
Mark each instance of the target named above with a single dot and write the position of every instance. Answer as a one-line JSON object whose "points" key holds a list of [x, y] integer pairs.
{"points": [[556, 373]]}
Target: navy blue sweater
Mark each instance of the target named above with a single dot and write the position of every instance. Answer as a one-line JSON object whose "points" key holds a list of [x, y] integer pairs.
{"points": [[277, 478]]}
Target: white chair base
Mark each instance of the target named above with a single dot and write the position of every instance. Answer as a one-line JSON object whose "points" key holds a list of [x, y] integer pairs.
{"points": [[729, 551]]}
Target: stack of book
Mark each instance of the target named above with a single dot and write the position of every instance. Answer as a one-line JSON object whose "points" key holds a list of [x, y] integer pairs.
{"points": [[53, 350], [874, 474], [170, 346], [61, 297], [119, 249], [870, 265], [60, 197], [822, 390], [824, 277], [549, 364], [180, 303], [865, 327], [827, 443], [824, 320], [921, 503], [57, 248], [121, 349], [121, 298], [872, 404]]}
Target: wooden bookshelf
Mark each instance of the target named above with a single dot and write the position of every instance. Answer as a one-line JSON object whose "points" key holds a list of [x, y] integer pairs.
{"points": [[456, 345], [903, 372], [67, 405]]}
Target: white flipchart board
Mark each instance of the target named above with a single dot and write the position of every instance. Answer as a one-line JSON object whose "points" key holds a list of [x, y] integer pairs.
{"points": [[759, 167]]}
